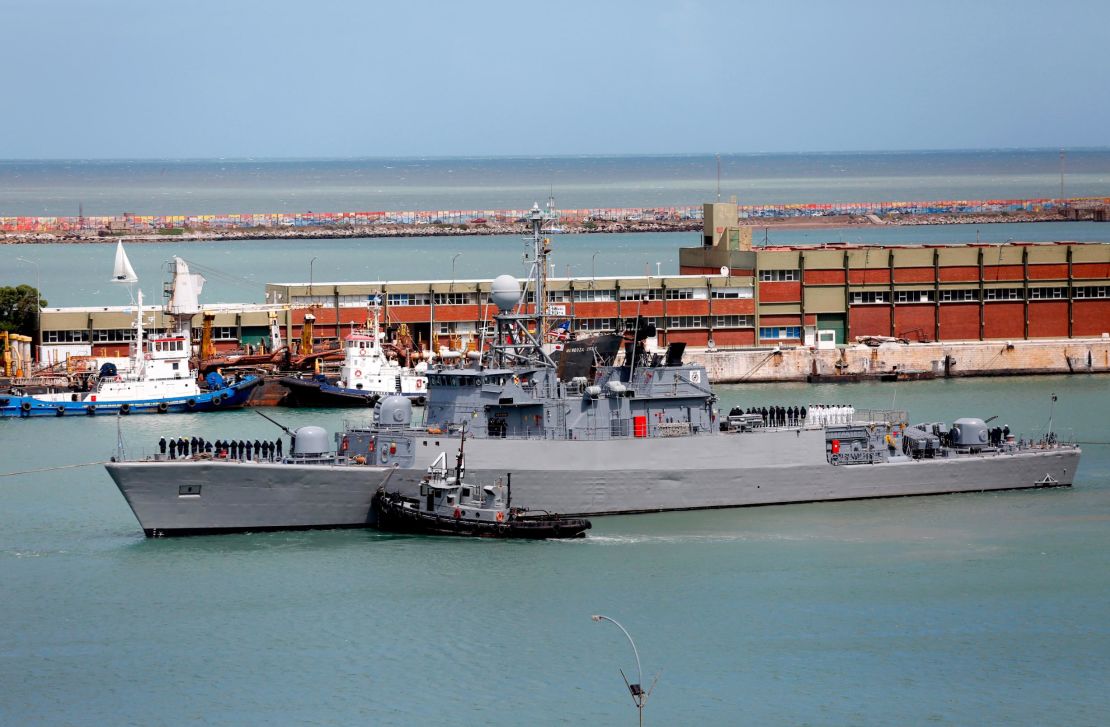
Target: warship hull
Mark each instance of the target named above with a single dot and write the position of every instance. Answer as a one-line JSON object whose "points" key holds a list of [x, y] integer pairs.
{"points": [[186, 497], [580, 478]]}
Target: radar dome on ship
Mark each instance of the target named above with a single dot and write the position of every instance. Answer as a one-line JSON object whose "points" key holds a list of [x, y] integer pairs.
{"points": [[505, 292]]}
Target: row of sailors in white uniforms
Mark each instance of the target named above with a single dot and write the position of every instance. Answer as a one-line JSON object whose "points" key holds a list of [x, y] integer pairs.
{"points": [[824, 414]]}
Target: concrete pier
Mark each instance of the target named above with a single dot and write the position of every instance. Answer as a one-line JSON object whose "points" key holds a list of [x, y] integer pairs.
{"points": [[976, 358]]}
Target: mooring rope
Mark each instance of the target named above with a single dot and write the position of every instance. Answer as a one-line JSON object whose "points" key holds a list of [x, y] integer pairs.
{"points": [[49, 469]]}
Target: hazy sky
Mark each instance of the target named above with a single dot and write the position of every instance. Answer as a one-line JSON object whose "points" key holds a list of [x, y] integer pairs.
{"points": [[200, 78]]}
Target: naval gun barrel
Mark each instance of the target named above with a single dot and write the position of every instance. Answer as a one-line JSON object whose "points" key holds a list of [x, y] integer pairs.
{"points": [[284, 428]]}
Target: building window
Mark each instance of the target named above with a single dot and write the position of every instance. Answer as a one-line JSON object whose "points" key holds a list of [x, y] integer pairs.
{"points": [[680, 293], [595, 324], [952, 296], [558, 296], [1091, 291], [778, 276], [592, 295], [1002, 294], [914, 296], [113, 335], [641, 294], [685, 322], [733, 321], [65, 336], [732, 292], [778, 333], [407, 299], [454, 299], [868, 297], [1047, 293]]}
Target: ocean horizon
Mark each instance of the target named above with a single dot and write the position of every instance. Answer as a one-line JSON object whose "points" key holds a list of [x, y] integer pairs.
{"points": [[65, 187]]}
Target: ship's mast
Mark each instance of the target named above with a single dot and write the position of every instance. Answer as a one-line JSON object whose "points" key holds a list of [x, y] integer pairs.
{"points": [[541, 246]]}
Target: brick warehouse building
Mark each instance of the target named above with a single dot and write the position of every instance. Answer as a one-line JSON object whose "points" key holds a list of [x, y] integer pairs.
{"points": [[918, 292], [766, 296]]}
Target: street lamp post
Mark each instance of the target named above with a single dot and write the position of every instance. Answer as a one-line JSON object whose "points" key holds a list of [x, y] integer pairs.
{"points": [[639, 696], [38, 299], [593, 264], [453, 259], [310, 278]]}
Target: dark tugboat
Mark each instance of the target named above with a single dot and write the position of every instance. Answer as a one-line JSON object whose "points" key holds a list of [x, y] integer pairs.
{"points": [[449, 506]]}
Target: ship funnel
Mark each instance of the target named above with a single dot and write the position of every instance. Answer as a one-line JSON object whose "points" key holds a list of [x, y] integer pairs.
{"points": [[505, 292], [186, 290]]}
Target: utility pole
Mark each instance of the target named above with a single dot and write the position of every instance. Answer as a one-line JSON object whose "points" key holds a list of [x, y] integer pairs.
{"points": [[1063, 157], [718, 177]]}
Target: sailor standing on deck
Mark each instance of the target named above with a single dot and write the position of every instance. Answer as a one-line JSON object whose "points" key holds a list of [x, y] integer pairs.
{"points": [[173, 449], [162, 445], [279, 449]]}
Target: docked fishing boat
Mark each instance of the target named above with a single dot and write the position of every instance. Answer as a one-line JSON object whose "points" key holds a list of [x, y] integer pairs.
{"points": [[372, 369], [449, 506], [159, 378]]}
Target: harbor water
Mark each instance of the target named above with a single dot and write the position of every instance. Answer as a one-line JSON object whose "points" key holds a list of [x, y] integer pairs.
{"points": [[952, 610], [237, 271]]}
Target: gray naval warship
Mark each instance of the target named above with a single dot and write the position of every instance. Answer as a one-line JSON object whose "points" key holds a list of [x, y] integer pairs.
{"points": [[611, 428]]}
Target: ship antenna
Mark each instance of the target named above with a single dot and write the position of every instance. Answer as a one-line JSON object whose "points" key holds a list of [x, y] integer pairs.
{"points": [[1051, 411], [459, 467]]}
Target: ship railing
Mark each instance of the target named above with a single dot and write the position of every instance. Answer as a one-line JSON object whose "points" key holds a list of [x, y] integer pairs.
{"points": [[880, 416]]}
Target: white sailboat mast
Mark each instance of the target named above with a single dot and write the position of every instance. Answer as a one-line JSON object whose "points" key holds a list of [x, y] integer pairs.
{"points": [[139, 361], [124, 273]]}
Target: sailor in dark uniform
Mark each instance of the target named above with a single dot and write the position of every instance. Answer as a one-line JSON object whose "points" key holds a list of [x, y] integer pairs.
{"points": [[248, 449], [234, 449], [162, 445], [278, 449], [173, 449], [258, 449]]}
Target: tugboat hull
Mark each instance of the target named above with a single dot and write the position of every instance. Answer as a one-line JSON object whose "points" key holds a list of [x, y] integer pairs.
{"points": [[391, 514], [307, 393], [228, 397]]}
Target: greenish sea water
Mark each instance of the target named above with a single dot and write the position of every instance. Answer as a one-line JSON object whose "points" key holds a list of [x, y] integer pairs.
{"points": [[951, 610], [237, 271]]}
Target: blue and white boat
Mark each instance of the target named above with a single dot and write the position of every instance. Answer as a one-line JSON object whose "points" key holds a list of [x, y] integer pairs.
{"points": [[159, 378]]}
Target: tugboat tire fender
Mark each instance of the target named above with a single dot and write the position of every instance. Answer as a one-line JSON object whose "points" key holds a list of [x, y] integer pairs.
{"points": [[61, 409], [216, 401], [25, 406], [191, 403], [90, 409], [124, 408], [163, 407]]}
